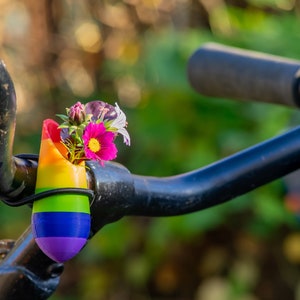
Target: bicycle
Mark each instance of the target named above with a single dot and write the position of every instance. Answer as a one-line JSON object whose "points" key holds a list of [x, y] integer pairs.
{"points": [[214, 70]]}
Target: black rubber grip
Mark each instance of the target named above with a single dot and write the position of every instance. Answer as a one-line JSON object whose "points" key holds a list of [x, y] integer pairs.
{"points": [[226, 72]]}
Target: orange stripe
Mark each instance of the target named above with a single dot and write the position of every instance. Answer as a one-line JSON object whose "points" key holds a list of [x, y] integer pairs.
{"points": [[54, 169]]}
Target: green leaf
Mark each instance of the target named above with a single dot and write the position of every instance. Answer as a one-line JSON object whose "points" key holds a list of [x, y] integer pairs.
{"points": [[63, 117]]}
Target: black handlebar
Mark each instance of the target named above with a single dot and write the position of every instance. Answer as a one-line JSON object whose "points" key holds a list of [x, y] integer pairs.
{"points": [[220, 71], [7, 129], [118, 193]]}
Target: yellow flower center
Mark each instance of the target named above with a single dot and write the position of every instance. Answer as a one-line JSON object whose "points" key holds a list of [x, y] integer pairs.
{"points": [[94, 145]]}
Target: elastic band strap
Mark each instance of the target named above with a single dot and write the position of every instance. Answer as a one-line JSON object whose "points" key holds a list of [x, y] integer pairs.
{"points": [[63, 191]]}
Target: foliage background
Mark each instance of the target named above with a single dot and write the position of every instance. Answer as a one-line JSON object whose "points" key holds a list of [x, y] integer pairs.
{"points": [[135, 52]]}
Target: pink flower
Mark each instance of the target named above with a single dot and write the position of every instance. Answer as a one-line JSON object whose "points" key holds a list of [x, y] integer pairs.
{"points": [[99, 143]]}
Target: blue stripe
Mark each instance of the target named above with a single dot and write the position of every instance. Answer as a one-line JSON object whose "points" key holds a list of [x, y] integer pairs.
{"points": [[61, 224]]}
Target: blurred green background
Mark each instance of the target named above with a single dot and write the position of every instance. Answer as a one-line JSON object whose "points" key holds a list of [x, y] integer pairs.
{"points": [[135, 52]]}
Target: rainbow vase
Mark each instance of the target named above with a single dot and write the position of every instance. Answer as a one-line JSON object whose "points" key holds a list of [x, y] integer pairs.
{"points": [[60, 222]]}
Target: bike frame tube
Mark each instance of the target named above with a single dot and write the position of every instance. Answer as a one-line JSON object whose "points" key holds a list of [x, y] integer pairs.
{"points": [[26, 273]]}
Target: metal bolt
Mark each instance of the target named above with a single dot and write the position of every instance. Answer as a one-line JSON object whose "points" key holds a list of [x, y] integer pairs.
{"points": [[55, 270]]}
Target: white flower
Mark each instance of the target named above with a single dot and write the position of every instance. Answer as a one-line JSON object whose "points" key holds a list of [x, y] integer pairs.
{"points": [[120, 123]]}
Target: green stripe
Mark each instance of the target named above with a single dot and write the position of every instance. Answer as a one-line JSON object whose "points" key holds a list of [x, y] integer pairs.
{"points": [[62, 202]]}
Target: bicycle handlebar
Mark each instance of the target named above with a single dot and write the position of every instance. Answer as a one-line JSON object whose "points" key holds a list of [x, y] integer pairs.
{"points": [[118, 193], [7, 129], [220, 71]]}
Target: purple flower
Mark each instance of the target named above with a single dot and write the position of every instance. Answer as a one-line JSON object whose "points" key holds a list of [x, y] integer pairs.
{"points": [[100, 111], [99, 143]]}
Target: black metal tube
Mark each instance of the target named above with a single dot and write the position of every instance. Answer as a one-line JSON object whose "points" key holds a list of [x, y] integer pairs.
{"points": [[119, 193], [219, 182], [114, 191], [226, 72], [7, 129]]}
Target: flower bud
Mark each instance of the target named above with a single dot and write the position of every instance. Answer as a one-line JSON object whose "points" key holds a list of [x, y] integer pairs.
{"points": [[76, 113]]}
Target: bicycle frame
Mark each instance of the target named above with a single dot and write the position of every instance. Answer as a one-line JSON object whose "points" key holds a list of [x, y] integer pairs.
{"points": [[118, 193]]}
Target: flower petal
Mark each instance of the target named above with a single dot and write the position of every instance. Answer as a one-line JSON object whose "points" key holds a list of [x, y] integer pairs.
{"points": [[100, 110], [120, 123], [107, 150]]}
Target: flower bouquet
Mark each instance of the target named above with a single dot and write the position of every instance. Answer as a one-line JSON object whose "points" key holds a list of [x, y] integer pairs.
{"points": [[61, 220]]}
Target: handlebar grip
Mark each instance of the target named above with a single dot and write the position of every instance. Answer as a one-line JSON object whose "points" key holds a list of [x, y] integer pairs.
{"points": [[226, 72]]}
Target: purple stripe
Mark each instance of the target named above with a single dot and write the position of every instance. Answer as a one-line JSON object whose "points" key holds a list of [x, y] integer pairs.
{"points": [[60, 249]]}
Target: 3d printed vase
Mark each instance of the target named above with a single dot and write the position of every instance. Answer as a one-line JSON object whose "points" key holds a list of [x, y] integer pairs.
{"points": [[60, 222]]}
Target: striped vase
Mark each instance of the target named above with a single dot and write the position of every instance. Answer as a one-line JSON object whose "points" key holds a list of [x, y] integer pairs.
{"points": [[60, 223]]}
